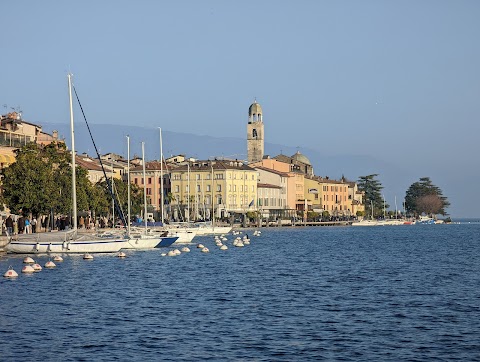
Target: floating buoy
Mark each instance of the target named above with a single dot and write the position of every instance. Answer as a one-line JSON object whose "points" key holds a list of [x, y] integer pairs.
{"points": [[205, 250], [163, 254], [223, 247], [88, 256], [10, 273], [50, 264], [28, 260], [239, 244], [57, 258], [177, 252], [171, 253], [224, 239], [37, 267], [185, 250], [28, 269], [246, 242], [122, 255], [200, 246]]}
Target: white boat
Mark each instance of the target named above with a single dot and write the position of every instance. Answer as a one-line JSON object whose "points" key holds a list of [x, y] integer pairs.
{"points": [[70, 241], [365, 223], [200, 228]]}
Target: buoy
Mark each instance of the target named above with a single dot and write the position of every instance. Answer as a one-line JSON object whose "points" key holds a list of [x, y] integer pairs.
{"points": [[200, 246], [57, 258], [50, 264], [28, 260], [246, 242], [37, 267], [28, 269], [177, 252], [163, 254], [185, 250], [224, 239], [171, 253], [10, 273], [239, 244], [223, 247], [88, 256], [205, 250], [122, 255]]}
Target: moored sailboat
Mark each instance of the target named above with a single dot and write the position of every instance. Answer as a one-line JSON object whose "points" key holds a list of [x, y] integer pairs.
{"points": [[70, 241]]}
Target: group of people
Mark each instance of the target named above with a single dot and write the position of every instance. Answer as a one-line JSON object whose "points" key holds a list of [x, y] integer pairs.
{"points": [[20, 225]]}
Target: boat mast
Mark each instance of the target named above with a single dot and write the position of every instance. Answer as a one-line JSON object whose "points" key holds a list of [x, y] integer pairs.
{"points": [[188, 193], [113, 200], [161, 174], [213, 200], [74, 182], [144, 187], [128, 184]]}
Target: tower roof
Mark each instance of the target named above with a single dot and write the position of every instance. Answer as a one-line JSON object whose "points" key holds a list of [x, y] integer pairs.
{"points": [[254, 108], [302, 158]]}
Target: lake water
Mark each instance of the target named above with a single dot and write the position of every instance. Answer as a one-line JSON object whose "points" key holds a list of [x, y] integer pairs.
{"points": [[394, 293]]}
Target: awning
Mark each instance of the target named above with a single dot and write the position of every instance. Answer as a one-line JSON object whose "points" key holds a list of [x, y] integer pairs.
{"points": [[7, 159]]}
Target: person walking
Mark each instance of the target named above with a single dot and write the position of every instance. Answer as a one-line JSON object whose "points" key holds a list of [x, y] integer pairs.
{"points": [[21, 224], [9, 225], [34, 225]]}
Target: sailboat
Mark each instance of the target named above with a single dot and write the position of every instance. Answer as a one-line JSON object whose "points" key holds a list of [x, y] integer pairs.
{"points": [[70, 241], [140, 238]]}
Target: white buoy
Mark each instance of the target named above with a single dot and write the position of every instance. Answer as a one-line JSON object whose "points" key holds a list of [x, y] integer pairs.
{"points": [[28, 260], [239, 244], [10, 273], [200, 246], [37, 267], [246, 242], [205, 250], [88, 256], [50, 264], [177, 252], [57, 258], [224, 239], [185, 250], [122, 255], [163, 254], [171, 253], [224, 247], [28, 269]]}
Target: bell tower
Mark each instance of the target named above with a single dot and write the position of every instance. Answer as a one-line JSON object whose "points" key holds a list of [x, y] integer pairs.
{"points": [[255, 140]]}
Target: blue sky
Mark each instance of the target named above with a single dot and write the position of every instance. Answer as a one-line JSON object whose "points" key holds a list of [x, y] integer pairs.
{"points": [[397, 80]]}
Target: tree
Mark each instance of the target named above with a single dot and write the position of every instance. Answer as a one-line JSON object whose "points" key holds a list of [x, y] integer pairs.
{"points": [[424, 197], [104, 200], [373, 196]]}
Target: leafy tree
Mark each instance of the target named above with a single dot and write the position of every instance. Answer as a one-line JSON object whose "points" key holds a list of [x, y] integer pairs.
{"points": [[373, 197], [424, 197]]}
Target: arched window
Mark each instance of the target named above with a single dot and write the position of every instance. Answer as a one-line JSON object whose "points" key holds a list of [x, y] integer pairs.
{"points": [[254, 133]]}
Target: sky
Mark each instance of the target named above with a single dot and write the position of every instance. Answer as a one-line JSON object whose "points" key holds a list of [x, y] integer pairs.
{"points": [[395, 80]]}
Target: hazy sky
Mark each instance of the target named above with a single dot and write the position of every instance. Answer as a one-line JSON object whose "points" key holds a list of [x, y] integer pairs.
{"points": [[398, 80]]}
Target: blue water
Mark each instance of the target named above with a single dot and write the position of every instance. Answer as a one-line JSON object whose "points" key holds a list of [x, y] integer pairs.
{"points": [[406, 293]]}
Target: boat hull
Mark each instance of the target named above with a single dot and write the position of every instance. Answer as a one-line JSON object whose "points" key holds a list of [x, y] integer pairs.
{"points": [[66, 247], [150, 242]]}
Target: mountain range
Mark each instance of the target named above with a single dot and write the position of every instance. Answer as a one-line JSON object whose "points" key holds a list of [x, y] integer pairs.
{"points": [[395, 177]]}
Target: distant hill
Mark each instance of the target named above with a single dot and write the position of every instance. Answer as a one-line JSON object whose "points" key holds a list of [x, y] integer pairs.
{"points": [[112, 138]]}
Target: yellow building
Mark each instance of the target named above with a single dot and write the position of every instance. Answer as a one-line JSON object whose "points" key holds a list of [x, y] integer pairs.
{"points": [[224, 187]]}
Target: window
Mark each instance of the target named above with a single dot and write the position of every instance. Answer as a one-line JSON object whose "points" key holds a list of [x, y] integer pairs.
{"points": [[253, 177], [198, 188], [234, 188], [219, 188], [136, 181], [186, 188], [253, 188], [197, 176], [177, 188], [219, 176], [208, 188], [254, 133], [229, 188], [149, 191], [149, 180]]}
